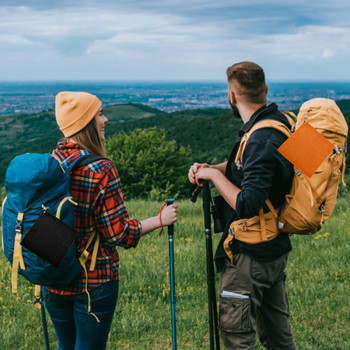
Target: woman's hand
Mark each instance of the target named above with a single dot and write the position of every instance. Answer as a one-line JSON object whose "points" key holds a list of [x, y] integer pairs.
{"points": [[168, 215]]}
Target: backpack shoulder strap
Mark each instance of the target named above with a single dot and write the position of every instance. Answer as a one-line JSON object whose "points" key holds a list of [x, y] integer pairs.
{"points": [[292, 118], [84, 160], [260, 125]]}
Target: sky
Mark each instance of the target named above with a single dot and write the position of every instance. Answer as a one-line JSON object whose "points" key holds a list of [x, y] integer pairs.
{"points": [[173, 39]]}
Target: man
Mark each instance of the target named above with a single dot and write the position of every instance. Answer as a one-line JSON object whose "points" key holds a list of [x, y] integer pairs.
{"points": [[255, 274]]}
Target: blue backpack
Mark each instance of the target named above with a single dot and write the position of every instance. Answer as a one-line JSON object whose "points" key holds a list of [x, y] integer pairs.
{"points": [[37, 183]]}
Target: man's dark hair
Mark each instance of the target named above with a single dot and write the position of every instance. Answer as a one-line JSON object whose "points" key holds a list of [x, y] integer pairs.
{"points": [[251, 81]]}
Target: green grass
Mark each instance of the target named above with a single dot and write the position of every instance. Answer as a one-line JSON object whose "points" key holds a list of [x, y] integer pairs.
{"points": [[317, 284]]}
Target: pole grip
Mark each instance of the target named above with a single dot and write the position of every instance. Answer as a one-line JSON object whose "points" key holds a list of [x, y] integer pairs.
{"points": [[170, 227], [195, 190], [206, 204]]}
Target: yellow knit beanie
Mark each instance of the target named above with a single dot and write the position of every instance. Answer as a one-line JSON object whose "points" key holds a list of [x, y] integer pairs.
{"points": [[74, 110]]}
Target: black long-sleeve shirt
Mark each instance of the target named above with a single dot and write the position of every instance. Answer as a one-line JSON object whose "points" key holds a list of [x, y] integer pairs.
{"points": [[265, 174]]}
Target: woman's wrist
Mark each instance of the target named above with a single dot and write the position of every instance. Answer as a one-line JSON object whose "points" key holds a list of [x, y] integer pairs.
{"points": [[160, 220], [149, 225]]}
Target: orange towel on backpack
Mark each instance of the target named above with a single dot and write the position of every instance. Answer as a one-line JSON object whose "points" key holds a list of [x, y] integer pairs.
{"points": [[306, 149]]}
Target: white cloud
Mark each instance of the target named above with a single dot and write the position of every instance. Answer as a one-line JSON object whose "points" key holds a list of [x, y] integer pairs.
{"points": [[196, 38], [305, 43], [327, 53], [14, 39]]}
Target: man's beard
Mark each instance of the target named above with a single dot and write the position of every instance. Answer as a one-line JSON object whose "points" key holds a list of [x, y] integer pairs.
{"points": [[235, 111]]}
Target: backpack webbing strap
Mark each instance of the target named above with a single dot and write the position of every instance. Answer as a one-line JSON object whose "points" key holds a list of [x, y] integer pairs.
{"points": [[37, 296], [85, 254], [262, 225], [88, 295], [2, 238], [227, 247], [291, 119], [17, 260], [94, 253], [272, 209], [343, 171], [39, 304], [250, 231], [85, 160], [83, 258], [63, 201]]}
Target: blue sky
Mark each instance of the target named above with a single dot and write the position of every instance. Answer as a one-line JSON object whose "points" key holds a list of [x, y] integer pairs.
{"points": [[173, 40]]}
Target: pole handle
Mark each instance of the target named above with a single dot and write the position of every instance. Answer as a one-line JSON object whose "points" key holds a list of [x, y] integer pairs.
{"points": [[206, 205], [170, 227]]}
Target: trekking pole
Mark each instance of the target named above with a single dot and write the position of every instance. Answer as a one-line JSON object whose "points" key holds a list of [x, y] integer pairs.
{"points": [[39, 300], [46, 335], [212, 308], [172, 277]]}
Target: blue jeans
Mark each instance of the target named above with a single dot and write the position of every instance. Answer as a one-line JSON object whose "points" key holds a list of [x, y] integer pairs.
{"points": [[74, 327]]}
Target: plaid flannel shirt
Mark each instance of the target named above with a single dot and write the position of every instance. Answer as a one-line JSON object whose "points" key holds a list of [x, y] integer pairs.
{"points": [[97, 189]]}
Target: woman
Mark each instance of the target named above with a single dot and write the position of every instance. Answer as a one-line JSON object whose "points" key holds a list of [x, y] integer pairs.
{"points": [[82, 320]]}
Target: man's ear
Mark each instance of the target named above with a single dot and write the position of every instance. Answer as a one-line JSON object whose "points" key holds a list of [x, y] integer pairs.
{"points": [[266, 89], [231, 96]]}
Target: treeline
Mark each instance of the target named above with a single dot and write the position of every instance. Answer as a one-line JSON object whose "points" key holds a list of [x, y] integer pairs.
{"points": [[207, 135]]}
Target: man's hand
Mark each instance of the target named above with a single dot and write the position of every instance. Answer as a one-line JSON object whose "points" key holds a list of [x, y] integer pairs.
{"points": [[216, 174], [205, 173], [193, 171]]}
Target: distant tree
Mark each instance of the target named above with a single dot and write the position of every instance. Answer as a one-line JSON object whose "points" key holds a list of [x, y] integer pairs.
{"points": [[149, 165]]}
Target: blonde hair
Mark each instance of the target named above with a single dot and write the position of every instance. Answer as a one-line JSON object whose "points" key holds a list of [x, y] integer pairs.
{"points": [[89, 139]]}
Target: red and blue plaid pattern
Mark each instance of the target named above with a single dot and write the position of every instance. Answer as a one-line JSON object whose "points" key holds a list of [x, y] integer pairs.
{"points": [[96, 188]]}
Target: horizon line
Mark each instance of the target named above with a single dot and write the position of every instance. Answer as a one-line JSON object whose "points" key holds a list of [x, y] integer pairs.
{"points": [[162, 81]]}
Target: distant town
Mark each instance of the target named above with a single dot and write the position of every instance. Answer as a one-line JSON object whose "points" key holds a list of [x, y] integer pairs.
{"points": [[34, 97]]}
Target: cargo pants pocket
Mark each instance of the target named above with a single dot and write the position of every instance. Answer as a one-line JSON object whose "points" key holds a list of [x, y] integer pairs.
{"points": [[234, 314]]}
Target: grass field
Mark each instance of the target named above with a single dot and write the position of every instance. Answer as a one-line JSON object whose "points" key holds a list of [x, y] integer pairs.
{"points": [[318, 288]]}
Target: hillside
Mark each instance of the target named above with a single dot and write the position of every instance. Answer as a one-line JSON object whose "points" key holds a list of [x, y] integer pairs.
{"points": [[209, 132], [39, 132]]}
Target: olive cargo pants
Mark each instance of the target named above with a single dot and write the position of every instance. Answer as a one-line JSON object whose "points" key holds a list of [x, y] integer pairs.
{"points": [[254, 300]]}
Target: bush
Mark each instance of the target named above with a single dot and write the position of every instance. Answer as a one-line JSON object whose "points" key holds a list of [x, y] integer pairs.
{"points": [[149, 165]]}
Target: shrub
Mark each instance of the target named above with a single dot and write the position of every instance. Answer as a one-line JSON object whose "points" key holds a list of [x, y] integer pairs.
{"points": [[149, 165]]}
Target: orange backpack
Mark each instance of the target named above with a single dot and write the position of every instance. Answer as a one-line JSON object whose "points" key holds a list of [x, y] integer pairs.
{"points": [[310, 201]]}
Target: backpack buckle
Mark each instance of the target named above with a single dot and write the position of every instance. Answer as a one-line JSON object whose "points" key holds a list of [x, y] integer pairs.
{"points": [[19, 223], [230, 232], [18, 226], [244, 228], [337, 149]]}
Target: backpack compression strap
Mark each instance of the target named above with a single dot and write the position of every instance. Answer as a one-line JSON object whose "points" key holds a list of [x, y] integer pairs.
{"points": [[17, 253], [2, 209], [246, 231]]}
